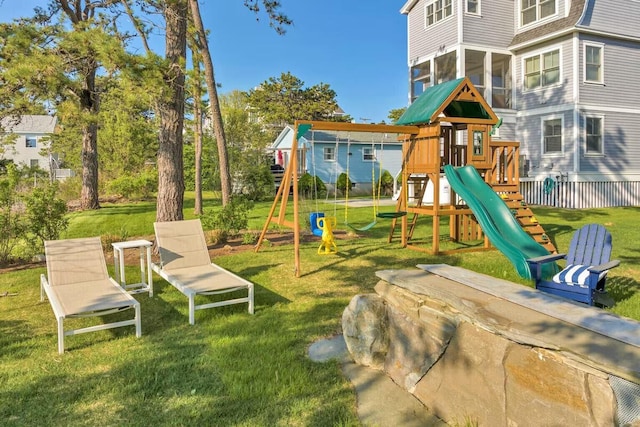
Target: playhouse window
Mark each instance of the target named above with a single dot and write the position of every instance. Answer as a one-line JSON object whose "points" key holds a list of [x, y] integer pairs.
{"points": [[437, 11], [593, 58], [552, 136], [542, 70], [329, 154], [32, 142], [368, 154], [593, 137], [535, 10]]}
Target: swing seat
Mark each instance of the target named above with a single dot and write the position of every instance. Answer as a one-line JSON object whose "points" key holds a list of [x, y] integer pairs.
{"points": [[364, 228], [391, 215], [313, 221]]}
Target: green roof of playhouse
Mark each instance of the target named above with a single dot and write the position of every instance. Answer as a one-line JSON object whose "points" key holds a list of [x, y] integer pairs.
{"points": [[454, 100]]}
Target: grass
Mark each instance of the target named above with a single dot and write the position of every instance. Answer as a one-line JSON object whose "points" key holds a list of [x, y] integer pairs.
{"points": [[232, 368]]}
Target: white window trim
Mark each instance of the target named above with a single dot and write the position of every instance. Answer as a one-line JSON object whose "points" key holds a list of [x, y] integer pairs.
{"points": [[540, 53], [373, 154], [584, 133], [478, 13], [537, 21], [547, 118], [453, 12], [324, 154], [584, 63]]}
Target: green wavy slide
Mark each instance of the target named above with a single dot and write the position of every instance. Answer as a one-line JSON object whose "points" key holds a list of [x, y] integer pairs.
{"points": [[496, 219]]}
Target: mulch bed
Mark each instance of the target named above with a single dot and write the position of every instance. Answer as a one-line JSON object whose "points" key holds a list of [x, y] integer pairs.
{"points": [[235, 245]]}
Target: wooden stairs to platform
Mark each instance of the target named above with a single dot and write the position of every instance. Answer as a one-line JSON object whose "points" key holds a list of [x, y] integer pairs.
{"points": [[526, 218], [511, 196]]}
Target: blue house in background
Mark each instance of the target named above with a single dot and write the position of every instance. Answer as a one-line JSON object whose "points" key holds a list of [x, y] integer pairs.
{"points": [[327, 154]]}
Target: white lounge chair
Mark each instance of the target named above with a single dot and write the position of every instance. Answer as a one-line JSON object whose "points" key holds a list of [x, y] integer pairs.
{"points": [[78, 285], [185, 264]]}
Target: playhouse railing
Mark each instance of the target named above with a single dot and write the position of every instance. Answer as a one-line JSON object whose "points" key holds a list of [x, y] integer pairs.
{"points": [[504, 174]]}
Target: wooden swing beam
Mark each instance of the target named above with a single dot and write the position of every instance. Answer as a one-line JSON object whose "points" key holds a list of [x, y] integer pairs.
{"points": [[290, 178]]}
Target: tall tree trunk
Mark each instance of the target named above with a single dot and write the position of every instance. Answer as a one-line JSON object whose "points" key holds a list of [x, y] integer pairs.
{"points": [[214, 104], [89, 106], [197, 137], [171, 111]]}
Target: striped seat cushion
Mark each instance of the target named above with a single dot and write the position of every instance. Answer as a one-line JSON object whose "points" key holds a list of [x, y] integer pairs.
{"points": [[575, 274]]}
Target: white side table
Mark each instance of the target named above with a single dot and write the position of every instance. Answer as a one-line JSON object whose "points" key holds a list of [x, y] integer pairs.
{"points": [[146, 282]]}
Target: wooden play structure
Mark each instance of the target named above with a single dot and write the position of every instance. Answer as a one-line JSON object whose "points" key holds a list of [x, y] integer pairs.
{"points": [[449, 124]]}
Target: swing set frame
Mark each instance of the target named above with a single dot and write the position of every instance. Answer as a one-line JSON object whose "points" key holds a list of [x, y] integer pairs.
{"points": [[290, 178]]}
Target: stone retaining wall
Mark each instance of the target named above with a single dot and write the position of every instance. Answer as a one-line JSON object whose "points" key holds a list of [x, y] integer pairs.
{"points": [[470, 356]]}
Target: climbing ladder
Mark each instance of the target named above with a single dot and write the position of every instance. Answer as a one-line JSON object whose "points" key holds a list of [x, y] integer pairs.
{"points": [[524, 215], [419, 183], [464, 226]]}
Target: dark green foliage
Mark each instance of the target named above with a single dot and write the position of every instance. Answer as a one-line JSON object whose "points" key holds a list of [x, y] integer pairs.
{"points": [[141, 185], [343, 181], [11, 225], [28, 213], [45, 214], [311, 187], [254, 184], [280, 101], [231, 218], [385, 184]]}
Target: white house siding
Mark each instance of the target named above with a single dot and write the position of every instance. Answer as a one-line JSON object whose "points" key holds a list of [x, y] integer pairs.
{"points": [[529, 132], [494, 27], [554, 95], [425, 42], [621, 65], [613, 16], [621, 144]]}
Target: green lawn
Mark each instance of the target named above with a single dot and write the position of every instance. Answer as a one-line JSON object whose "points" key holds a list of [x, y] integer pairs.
{"points": [[232, 368]]}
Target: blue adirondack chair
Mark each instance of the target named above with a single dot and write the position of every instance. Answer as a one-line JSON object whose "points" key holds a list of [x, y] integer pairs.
{"points": [[587, 263]]}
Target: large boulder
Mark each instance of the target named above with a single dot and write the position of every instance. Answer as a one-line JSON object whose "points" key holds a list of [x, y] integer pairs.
{"points": [[365, 327]]}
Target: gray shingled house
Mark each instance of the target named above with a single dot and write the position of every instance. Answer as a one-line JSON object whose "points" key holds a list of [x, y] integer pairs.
{"points": [[561, 75]]}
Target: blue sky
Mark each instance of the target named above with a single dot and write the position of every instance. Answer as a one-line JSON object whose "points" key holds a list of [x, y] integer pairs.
{"points": [[357, 47]]}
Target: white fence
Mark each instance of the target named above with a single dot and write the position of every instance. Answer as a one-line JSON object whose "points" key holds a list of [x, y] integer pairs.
{"points": [[581, 195]]}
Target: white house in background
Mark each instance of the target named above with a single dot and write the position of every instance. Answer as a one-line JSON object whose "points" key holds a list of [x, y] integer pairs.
{"points": [[31, 144]]}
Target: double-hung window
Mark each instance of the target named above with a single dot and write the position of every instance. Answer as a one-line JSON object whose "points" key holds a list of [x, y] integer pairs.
{"points": [[329, 154], [368, 154], [552, 135], [32, 142], [542, 70], [437, 11], [535, 10], [593, 61], [594, 135], [473, 7]]}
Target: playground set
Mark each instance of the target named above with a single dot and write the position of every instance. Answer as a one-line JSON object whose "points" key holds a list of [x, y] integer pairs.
{"points": [[446, 132]]}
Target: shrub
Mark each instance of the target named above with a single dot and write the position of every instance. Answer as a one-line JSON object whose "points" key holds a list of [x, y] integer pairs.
{"points": [[231, 218], [311, 187], [141, 185], [343, 181], [12, 227], [28, 214], [386, 183], [45, 215]]}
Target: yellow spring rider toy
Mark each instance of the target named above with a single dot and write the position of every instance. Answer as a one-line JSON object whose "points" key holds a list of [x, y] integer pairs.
{"points": [[328, 245]]}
